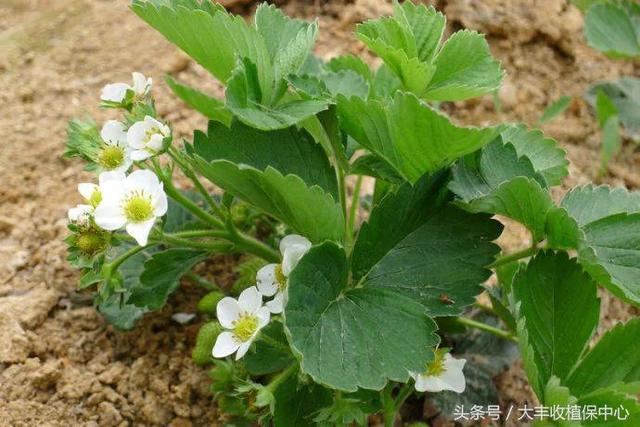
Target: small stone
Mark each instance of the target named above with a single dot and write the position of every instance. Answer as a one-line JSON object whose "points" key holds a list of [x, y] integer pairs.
{"points": [[113, 373], [109, 415]]}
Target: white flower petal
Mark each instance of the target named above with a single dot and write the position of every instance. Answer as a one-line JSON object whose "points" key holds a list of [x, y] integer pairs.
{"points": [[156, 142], [276, 305], [293, 239], [266, 280], [160, 204], [292, 256], [140, 230], [225, 345], [114, 92], [113, 132], [141, 85], [112, 192], [140, 155], [227, 312], [80, 213], [152, 122], [250, 300], [142, 180], [263, 316], [243, 348], [137, 133], [113, 175], [86, 189], [109, 217]]}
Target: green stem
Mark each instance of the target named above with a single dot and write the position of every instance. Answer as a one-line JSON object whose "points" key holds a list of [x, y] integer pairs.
{"points": [[205, 284], [190, 205], [281, 377], [506, 259], [353, 211], [113, 265], [487, 309], [176, 155], [405, 391], [213, 246], [273, 343], [501, 333], [388, 406]]}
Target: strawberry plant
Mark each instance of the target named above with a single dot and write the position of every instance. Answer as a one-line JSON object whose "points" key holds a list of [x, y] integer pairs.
{"points": [[333, 321]]}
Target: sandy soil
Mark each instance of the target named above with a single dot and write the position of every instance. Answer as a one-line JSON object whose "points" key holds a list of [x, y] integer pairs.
{"points": [[60, 364]]}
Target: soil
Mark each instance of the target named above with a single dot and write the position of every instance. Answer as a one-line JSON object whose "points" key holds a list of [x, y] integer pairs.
{"points": [[60, 364]]}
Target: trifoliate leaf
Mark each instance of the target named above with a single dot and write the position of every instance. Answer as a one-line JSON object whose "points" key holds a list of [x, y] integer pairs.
{"points": [[544, 153], [209, 106], [297, 403], [408, 134], [464, 69], [555, 109], [614, 359], [496, 181], [338, 332], [161, 276], [245, 97], [417, 245], [560, 309], [625, 95], [212, 38], [613, 30], [587, 204], [266, 359], [290, 151], [310, 211]]}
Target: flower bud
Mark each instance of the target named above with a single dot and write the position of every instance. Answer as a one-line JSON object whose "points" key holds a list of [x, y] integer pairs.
{"points": [[209, 302], [207, 336]]}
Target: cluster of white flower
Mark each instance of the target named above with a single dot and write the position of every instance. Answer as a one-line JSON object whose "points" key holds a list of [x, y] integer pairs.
{"points": [[134, 201], [243, 318]]}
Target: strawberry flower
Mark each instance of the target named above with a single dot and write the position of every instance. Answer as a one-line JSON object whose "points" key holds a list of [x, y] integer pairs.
{"points": [[242, 318], [117, 92], [114, 154], [443, 373], [147, 137], [272, 278], [92, 193], [134, 202]]}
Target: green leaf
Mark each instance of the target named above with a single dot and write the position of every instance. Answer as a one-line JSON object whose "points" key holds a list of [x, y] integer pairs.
{"points": [[558, 396], [178, 218], [464, 69], [290, 151], [605, 108], [421, 247], [611, 29], [614, 359], [374, 166], [328, 85], [588, 203], [529, 357], [560, 309], [351, 63], [338, 333], [83, 140], [209, 106], [610, 252], [426, 25], [266, 359], [496, 181], [625, 95], [626, 405], [310, 211], [544, 153], [119, 313], [212, 38], [408, 134], [161, 276], [297, 403], [555, 109]]}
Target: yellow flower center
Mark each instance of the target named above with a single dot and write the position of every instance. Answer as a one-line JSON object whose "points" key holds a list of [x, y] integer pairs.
{"points": [[281, 279], [90, 242], [149, 133], [111, 157], [436, 366], [245, 327], [138, 207], [96, 198]]}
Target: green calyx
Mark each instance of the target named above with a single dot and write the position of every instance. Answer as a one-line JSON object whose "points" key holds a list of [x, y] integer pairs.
{"points": [[91, 241], [111, 157], [138, 208]]}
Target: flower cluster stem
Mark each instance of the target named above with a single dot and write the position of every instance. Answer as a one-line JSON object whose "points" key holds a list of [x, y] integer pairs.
{"points": [[392, 406], [501, 333], [509, 258]]}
